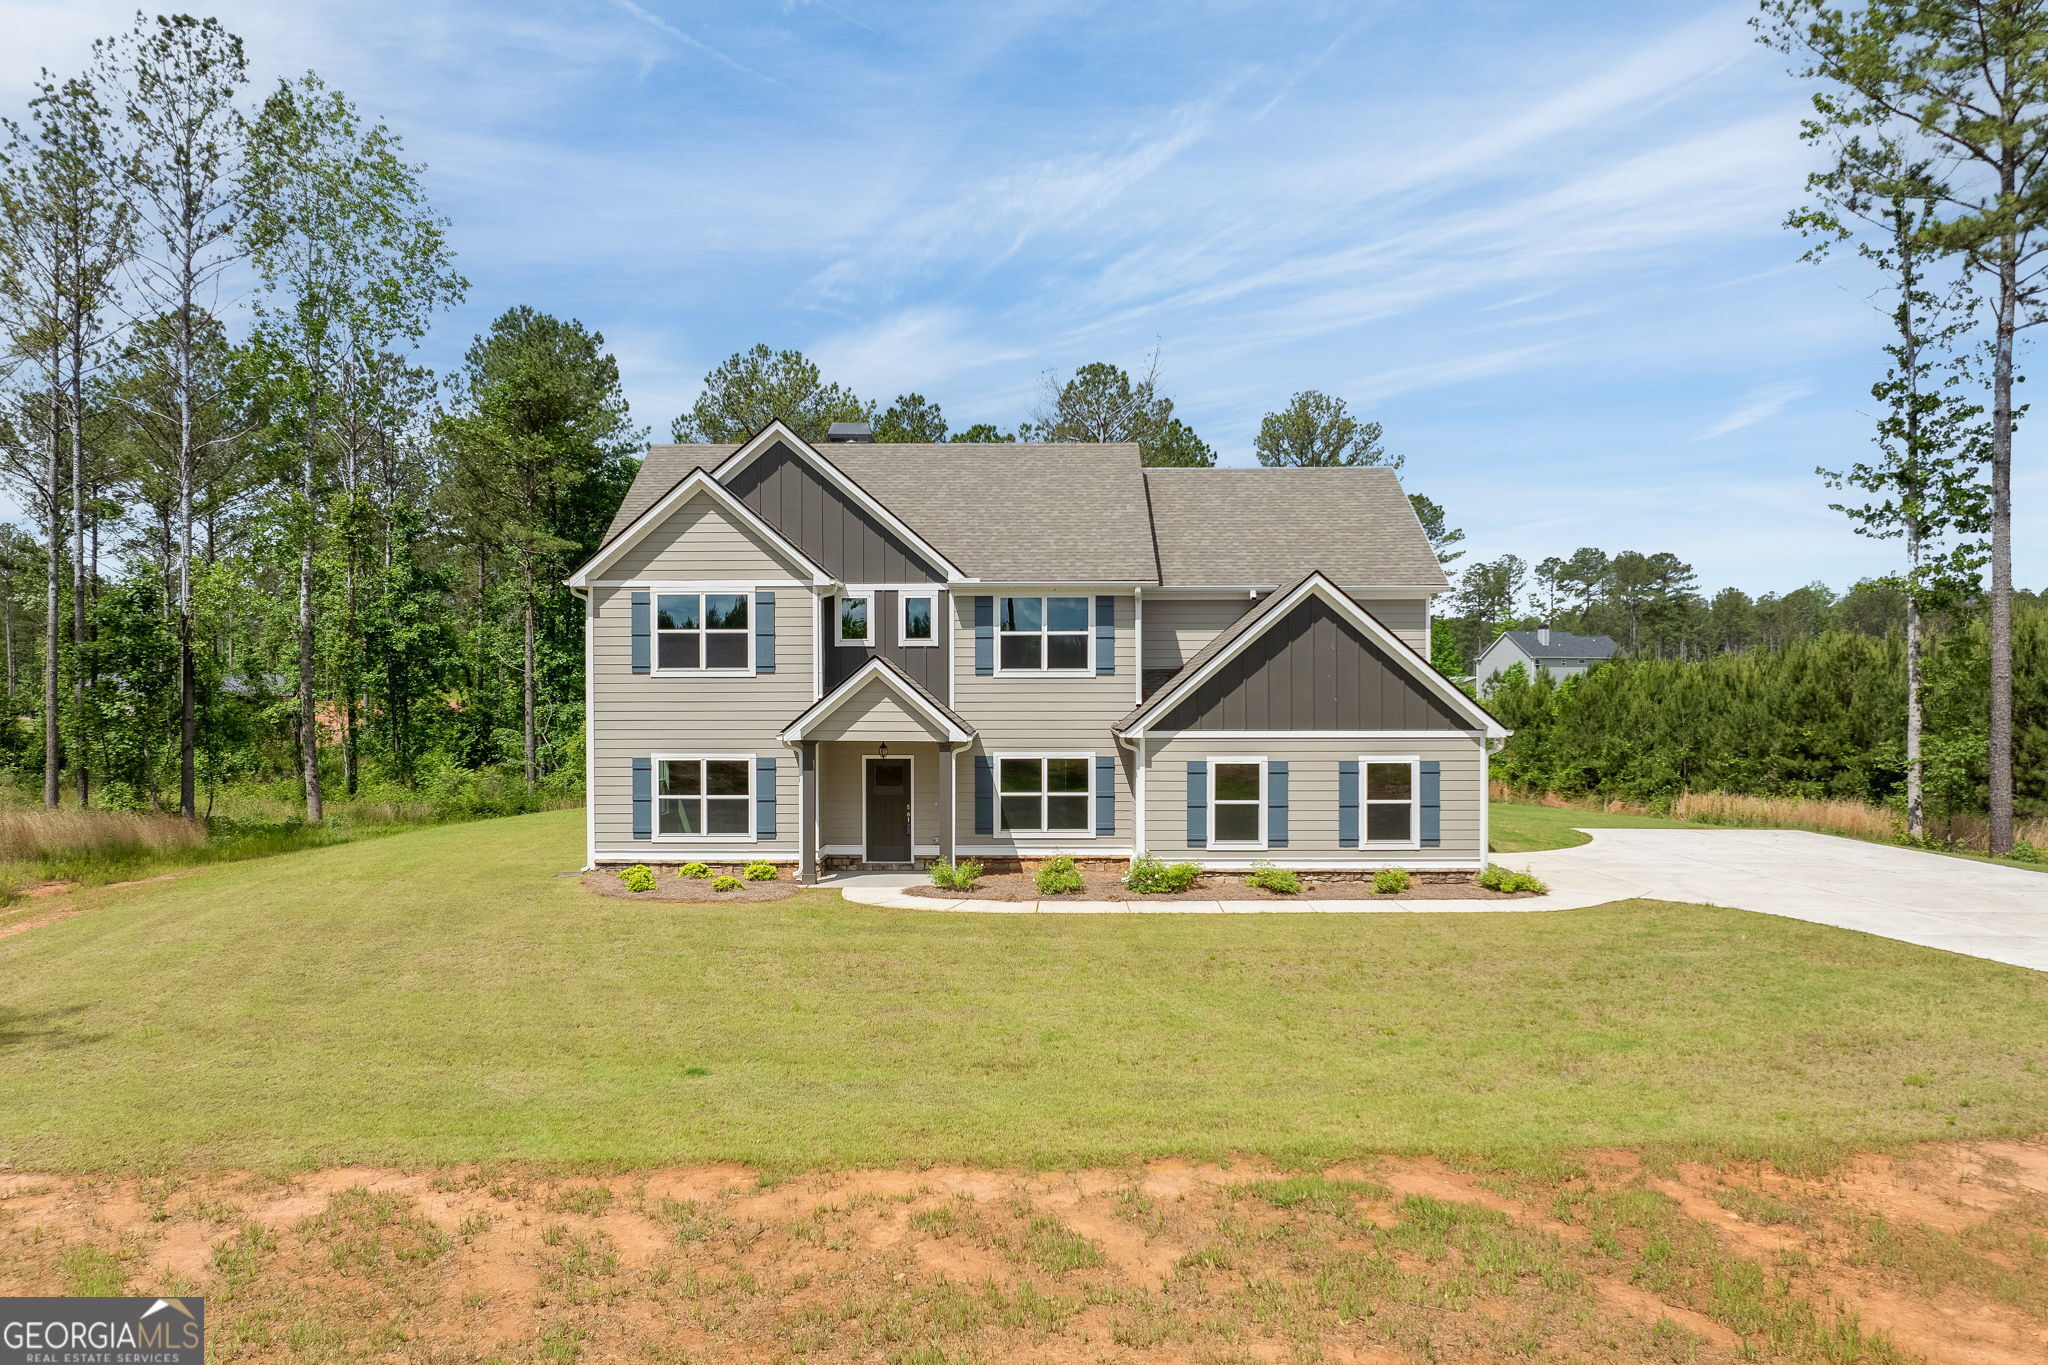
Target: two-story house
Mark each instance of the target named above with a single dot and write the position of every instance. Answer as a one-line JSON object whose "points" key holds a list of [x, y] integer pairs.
{"points": [[880, 654], [1557, 652]]}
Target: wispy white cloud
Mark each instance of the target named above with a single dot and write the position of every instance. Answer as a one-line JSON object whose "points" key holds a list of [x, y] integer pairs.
{"points": [[661, 25], [1763, 402]]}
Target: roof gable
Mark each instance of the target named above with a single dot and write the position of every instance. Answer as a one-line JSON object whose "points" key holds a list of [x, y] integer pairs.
{"points": [[878, 679], [1309, 658], [797, 494], [656, 512]]}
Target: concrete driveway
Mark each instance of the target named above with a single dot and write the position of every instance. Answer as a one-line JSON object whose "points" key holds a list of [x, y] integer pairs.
{"points": [[1979, 909]]}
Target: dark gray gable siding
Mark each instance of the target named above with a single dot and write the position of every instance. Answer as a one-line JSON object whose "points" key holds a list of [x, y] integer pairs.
{"points": [[1313, 670], [827, 525], [927, 664]]}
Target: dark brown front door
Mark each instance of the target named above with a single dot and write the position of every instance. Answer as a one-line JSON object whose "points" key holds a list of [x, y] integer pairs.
{"points": [[888, 800]]}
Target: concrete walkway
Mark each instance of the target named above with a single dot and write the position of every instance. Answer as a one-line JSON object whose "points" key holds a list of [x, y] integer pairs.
{"points": [[1978, 909]]}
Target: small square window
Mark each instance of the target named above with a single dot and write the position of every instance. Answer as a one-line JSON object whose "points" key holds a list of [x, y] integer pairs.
{"points": [[920, 620], [853, 620]]}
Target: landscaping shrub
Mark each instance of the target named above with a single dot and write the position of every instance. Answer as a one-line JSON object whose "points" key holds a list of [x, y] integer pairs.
{"points": [[949, 876], [1498, 878], [726, 883], [1057, 876], [1149, 876], [2024, 852], [638, 877], [694, 871], [1279, 880], [1390, 881], [759, 872]]}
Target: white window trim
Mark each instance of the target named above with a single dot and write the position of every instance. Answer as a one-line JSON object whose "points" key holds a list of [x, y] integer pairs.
{"points": [[753, 802], [1044, 669], [655, 591], [903, 619], [1088, 808], [1265, 798], [866, 848], [839, 618], [1365, 802]]}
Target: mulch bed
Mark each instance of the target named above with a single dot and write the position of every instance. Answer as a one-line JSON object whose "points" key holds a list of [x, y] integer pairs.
{"points": [[1222, 886], [669, 887]]}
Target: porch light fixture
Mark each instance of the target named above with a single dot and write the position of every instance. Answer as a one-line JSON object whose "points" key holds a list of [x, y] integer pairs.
{"points": [[882, 749]]}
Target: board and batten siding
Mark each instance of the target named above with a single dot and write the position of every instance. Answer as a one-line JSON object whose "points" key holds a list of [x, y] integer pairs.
{"points": [[926, 663], [1017, 713], [1178, 628], [636, 715], [1312, 767], [842, 795], [834, 530], [1313, 669]]}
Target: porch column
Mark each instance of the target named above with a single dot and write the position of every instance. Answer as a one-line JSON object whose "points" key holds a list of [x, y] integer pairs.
{"points": [[949, 804], [807, 811]]}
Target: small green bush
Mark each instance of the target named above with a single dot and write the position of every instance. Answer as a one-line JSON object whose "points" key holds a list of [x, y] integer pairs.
{"points": [[1278, 880], [726, 883], [949, 876], [694, 871], [2024, 852], [638, 877], [1498, 878], [1149, 876], [759, 872], [1058, 876], [1390, 881]]}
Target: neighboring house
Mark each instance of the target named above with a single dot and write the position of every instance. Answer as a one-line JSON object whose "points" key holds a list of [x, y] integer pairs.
{"points": [[1558, 652], [861, 653]]}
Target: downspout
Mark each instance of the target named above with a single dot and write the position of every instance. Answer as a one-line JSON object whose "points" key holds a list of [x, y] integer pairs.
{"points": [[589, 730]]}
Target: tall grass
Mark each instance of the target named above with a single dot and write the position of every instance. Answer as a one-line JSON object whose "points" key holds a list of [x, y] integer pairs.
{"points": [[1849, 818]]}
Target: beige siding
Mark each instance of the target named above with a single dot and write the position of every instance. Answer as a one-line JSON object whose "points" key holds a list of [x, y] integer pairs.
{"points": [[637, 715], [842, 785], [1043, 714], [1312, 798], [699, 541], [1176, 628], [873, 713]]}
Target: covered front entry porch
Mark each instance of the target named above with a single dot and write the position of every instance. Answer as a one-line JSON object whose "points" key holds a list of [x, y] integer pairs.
{"points": [[878, 759]]}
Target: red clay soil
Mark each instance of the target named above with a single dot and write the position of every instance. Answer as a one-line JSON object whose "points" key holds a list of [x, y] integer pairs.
{"points": [[604, 881], [1104, 885], [1939, 1255]]}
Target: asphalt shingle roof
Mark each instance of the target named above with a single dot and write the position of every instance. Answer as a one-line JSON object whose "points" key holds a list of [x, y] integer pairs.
{"points": [[1563, 645], [1073, 513]]}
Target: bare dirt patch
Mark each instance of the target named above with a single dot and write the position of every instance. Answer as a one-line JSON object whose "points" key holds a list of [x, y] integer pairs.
{"points": [[1390, 1260], [1105, 885]]}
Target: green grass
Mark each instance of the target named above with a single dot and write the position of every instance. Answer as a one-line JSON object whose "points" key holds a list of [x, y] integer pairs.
{"points": [[442, 996], [1516, 828]]}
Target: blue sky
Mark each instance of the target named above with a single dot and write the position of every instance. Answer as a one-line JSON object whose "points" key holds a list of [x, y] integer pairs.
{"points": [[1541, 243]]}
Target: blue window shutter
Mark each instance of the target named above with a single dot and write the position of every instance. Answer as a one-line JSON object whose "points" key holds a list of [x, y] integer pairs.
{"points": [[1347, 803], [1276, 804], [1105, 635], [764, 798], [764, 633], [1105, 793], [643, 798], [643, 634], [984, 793], [984, 638], [1198, 804], [1432, 803]]}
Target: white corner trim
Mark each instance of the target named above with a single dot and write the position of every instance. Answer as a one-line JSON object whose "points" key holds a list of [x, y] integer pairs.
{"points": [[778, 430], [694, 484]]}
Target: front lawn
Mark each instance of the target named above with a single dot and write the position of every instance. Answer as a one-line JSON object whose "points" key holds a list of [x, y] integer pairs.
{"points": [[1516, 828], [444, 996]]}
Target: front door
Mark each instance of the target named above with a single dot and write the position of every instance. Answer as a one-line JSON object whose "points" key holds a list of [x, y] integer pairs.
{"points": [[888, 798]]}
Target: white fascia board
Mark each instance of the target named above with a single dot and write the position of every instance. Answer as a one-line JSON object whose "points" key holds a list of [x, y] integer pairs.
{"points": [[1322, 587], [873, 668], [696, 483], [778, 430]]}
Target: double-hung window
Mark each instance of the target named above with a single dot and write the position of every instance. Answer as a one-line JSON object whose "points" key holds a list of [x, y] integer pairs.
{"points": [[1044, 795], [1047, 634], [703, 631], [1237, 803], [704, 797], [855, 624], [918, 622], [1390, 793]]}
